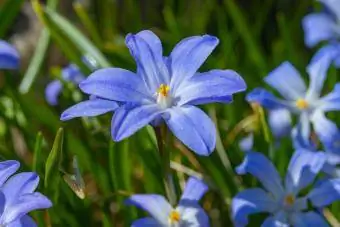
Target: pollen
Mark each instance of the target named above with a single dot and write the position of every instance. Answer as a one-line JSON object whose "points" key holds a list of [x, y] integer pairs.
{"points": [[163, 90], [289, 200], [301, 104], [174, 216]]}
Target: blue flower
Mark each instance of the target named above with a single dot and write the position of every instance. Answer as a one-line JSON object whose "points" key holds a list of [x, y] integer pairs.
{"points": [[282, 200], [306, 103], [163, 89], [188, 213], [331, 148], [324, 26], [72, 74], [17, 196], [9, 56]]}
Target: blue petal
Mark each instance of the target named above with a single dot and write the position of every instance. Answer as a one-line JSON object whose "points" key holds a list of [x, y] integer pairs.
{"points": [[25, 221], [248, 202], [332, 50], [145, 48], [53, 91], [324, 128], [287, 81], [89, 108], [266, 99], [146, 222], [24, 204], [152, 40], [115, 84], [155, 205], [280, 122], [302, 170], [193, 128], [317, 27], [19, 184], [194, 189], [309, 219], [73, 74], [260, 167], [326, 193], [212, 85], [278, 220], [299, 142], [247, 143], [332, 144], [7, 169], [193, 215], [317, 74], [9, 56], [333, 6], [2, 202], [188, 55], [331, 102], [130, 118]]}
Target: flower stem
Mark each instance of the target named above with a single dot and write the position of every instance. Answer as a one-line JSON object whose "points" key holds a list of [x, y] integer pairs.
{"points": [[163, 141]]}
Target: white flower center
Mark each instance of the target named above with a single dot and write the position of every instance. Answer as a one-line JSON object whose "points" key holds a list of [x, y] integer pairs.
{"points": [[302, 104], [174, 217], [164, 99]]}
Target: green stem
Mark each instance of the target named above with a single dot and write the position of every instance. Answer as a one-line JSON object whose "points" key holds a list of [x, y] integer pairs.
{"points": [[163, 139]]}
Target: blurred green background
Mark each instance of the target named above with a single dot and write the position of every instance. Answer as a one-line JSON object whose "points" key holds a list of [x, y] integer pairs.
{"points": [[255, 36]]}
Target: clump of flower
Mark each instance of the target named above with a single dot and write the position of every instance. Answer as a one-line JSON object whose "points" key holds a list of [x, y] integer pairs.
{"points": [[18, 196], [283, 200], [188, 213]]}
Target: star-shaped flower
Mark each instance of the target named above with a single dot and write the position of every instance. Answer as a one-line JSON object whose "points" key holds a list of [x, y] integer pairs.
{"points": [[164, 89]]}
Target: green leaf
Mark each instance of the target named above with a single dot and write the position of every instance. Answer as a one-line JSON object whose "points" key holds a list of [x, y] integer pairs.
{"points": [[54, 158], [36, 62], [8, 12], [37, 151], [78, 39]]}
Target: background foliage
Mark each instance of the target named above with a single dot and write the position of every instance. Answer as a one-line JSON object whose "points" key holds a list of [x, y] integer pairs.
{"points": [[255, 36]]}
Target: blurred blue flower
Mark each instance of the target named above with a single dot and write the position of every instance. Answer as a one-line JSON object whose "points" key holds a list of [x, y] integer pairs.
{"points": [[164, 88], [17, 196], [283, 201], [331, 148], [72, 74], [9, 56], [324, 26], [188, 213], [247, 143], [306, 103]]}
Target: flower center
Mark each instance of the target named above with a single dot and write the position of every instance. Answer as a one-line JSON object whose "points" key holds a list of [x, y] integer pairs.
{"points": [[174, 217], [301, 104], [163, 90], [289, 200], [163, 97]]}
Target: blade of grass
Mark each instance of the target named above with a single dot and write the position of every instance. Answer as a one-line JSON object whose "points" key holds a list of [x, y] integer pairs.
{"points": [[78, 39], [37, 152]]}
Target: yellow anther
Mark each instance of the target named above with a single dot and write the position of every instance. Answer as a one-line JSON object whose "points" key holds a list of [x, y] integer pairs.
{"points": [[174, 216], [163, 90], [301, 104], [289, 200]]}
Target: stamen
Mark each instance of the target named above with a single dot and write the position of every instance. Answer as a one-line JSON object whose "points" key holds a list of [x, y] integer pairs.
{"points": [[174, 217], [289, 200], [163, 90], [164, 99], [301, 104]]}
